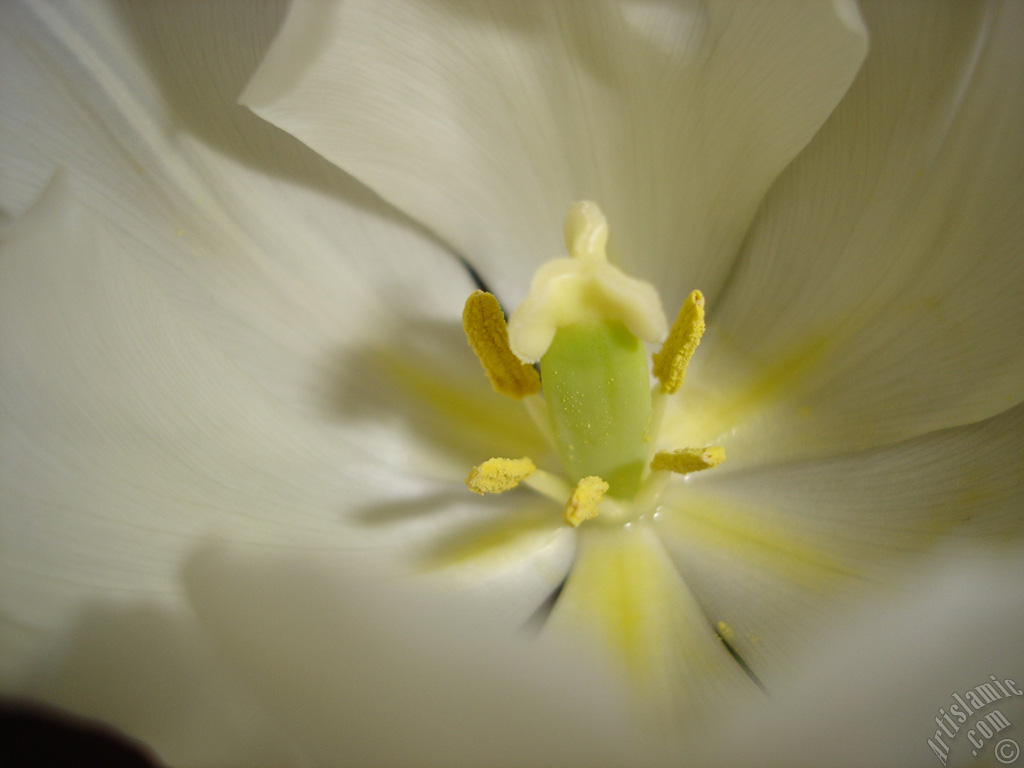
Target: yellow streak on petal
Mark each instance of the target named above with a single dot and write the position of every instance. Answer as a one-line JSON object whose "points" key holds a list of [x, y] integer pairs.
{"points": [[462, 417], [807, 560], [765, 387], [485, 327], [688, 460], [582, 505], [625, 590], [736, 394], [670, 363], [499, 475], [499, 544]]}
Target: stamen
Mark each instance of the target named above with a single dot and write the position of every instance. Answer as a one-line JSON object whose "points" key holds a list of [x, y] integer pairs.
{"points": [[582, 505], [549, 485], [484, 323], [499, 475], [725, 632], [670, 363], [688, 460]]}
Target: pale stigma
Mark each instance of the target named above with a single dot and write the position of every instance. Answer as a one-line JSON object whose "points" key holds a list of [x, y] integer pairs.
{"points": [[499, 475], [582, 505], [670, 363], [583, 288], [688, 460], [484, 323]]}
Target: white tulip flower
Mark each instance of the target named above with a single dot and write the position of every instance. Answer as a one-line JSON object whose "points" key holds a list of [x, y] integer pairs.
{"points": [[239, 409]]}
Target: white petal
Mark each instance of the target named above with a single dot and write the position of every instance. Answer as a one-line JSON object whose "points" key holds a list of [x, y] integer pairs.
{"points": [[227, 214], [150, 671], [127, 440], [127, 430], [486, 121], [199, 323], [871, 696], [361, 673], [769, 550], [625, 597], [879, 296]]}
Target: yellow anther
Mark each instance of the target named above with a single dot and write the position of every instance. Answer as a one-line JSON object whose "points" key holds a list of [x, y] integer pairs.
{"points": [[688, 459], [725, 632], [499, 475], [484, 323], [670, 363], [582, 505]]}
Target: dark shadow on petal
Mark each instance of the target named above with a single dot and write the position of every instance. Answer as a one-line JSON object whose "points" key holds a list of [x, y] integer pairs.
{"points": [[517, 517], [150, 672], [739, 660], [425, 382], [201, 56], [539, 617], [383, 672], [475, 276], [33, 735]]}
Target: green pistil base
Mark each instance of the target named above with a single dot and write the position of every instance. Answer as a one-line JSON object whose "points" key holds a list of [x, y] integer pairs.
{"points": [[596, 383]]}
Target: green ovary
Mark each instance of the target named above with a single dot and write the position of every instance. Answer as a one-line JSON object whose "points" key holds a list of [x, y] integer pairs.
{"points": [[597, 388]]}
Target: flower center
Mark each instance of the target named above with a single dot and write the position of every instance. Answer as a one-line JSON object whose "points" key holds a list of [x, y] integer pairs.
{"points": [[585, 322]]}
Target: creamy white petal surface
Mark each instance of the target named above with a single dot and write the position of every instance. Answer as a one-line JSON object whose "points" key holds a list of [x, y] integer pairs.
{"points": [[211, 334], [364, 673], [773, 551], [879, 294], [870, 694], [486, 120], [197, 313]]}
